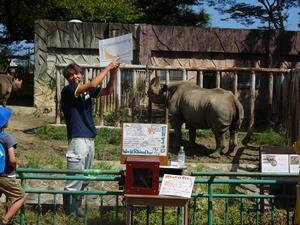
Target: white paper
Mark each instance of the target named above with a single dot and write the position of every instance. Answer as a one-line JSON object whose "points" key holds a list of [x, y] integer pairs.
{"points": [[117, 47], [275, 163], [144, 139], [294, 162], [177, 185]]}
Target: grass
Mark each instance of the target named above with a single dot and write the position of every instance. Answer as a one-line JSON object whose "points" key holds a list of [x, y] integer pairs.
{"points": [[108, 142]]}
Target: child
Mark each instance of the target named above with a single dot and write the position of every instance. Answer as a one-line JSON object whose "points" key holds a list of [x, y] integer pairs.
{"points": [[8, 183], [76, 102]]}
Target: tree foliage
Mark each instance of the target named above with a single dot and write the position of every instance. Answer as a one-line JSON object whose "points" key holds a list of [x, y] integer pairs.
{"points": [[175, 12], [272, 14], [18, 16]]}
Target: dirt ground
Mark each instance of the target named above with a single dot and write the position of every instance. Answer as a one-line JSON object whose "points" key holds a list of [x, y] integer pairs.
{"points": [[24, 121], [22, 126]]}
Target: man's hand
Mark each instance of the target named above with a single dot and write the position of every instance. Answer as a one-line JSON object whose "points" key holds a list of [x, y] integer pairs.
{"points": [[114, 65]]}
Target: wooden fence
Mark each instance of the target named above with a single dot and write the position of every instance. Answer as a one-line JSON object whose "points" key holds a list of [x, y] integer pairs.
{"points": [[132, 79]]}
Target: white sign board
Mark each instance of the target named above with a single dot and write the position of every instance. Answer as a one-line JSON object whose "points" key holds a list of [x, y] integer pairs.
{"points": [[294, 163], [275, 163], [117, 47], [144, 139], [177, 185]]}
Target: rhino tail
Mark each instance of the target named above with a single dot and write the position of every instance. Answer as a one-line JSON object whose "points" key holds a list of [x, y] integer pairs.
{"points": [[239, 116]]}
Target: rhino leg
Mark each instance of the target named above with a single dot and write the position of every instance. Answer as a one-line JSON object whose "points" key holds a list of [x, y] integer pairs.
{"points": [[192, 135], [176, 124], [220, 139], [232, 143]]}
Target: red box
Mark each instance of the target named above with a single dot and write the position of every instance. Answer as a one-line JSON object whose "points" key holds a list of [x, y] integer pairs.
{"points": [[142, 175]]}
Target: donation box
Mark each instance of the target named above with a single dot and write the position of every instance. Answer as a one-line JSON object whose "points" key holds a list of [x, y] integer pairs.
{"points": [[142, 175]]}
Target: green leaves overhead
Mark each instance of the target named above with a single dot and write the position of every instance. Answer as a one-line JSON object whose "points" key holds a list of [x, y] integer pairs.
{"points": [[18, 16]]}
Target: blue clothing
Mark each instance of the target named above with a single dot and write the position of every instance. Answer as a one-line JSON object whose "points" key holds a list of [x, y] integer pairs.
{"points": [[78, 112], [8, 141]]}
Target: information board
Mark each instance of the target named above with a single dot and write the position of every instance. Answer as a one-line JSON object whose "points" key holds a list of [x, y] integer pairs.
{"points": [[279, 160], [117, 47], [146, 139], [177, 185]]}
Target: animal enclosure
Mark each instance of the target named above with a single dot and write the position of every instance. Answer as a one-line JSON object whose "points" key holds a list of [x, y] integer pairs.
{"points": [[263, 92]]}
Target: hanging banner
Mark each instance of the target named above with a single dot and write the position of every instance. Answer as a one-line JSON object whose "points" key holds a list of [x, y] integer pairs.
{"points": [[117, 47]]}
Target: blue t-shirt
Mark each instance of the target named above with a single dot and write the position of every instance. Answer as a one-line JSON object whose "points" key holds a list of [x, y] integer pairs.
{"points": [[78, 111], [8, 141]]}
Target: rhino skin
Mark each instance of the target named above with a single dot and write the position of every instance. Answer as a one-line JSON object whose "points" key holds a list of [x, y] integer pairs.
{"points": [[200, 108], [8, 84]]}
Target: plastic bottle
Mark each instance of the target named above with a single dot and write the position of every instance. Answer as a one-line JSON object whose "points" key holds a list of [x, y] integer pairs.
{"points": [[181, 157]]}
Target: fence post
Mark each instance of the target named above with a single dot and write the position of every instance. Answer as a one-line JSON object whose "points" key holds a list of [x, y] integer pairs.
{"points": [[149, 101], [252, 98], [167, 108], [58, 96], [235, 83], [118, 97], [210, 204], [270, 99], [218, 79], [200, 78]]}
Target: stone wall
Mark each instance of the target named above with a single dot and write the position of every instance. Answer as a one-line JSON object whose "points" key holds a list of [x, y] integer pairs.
{"points": [[58, 42]]}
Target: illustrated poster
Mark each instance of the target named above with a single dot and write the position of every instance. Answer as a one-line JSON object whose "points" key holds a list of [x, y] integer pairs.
{"points": [[117, 47], [275, 163], [177, 185], [144, 139]]}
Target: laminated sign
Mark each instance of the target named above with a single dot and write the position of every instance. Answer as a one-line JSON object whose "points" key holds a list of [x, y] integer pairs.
{"points": [[118, 47], [177, 185], [145, 139]]}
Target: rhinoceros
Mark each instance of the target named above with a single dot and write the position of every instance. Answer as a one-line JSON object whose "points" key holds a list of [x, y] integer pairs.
{"points": [[201, 108], [8, 83]]}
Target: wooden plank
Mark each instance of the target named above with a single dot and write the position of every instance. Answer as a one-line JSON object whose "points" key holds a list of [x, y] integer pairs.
{"points": [[235, 84], [200, 78], [58, 96], [166, 107], [252, 98], [270, 97], [218, 79]]}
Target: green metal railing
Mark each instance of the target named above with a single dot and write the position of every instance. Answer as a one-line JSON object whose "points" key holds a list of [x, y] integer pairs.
{"points": [[261, 180], [211, 202], [55, 174]]}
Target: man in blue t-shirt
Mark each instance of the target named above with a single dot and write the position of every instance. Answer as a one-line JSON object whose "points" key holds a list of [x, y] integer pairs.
{"points": [[76, 103]]}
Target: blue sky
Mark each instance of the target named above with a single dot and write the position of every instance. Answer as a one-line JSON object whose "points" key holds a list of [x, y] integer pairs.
{"points": [[216, 21]]}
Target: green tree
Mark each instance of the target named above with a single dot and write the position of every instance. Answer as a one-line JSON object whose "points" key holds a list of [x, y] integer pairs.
{"points": [[272, 14], [172, 12], [18, 16]]}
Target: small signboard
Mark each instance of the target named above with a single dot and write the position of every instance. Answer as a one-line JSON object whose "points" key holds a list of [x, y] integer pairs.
{"points": [[145, 139], [177, 185], [118, 47], [294, 162], [275, 163], [279, 160]]}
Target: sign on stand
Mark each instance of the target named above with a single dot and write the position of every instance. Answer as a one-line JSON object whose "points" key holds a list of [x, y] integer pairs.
{"points": [[145, 139], [176, 185], [279, 160]]}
